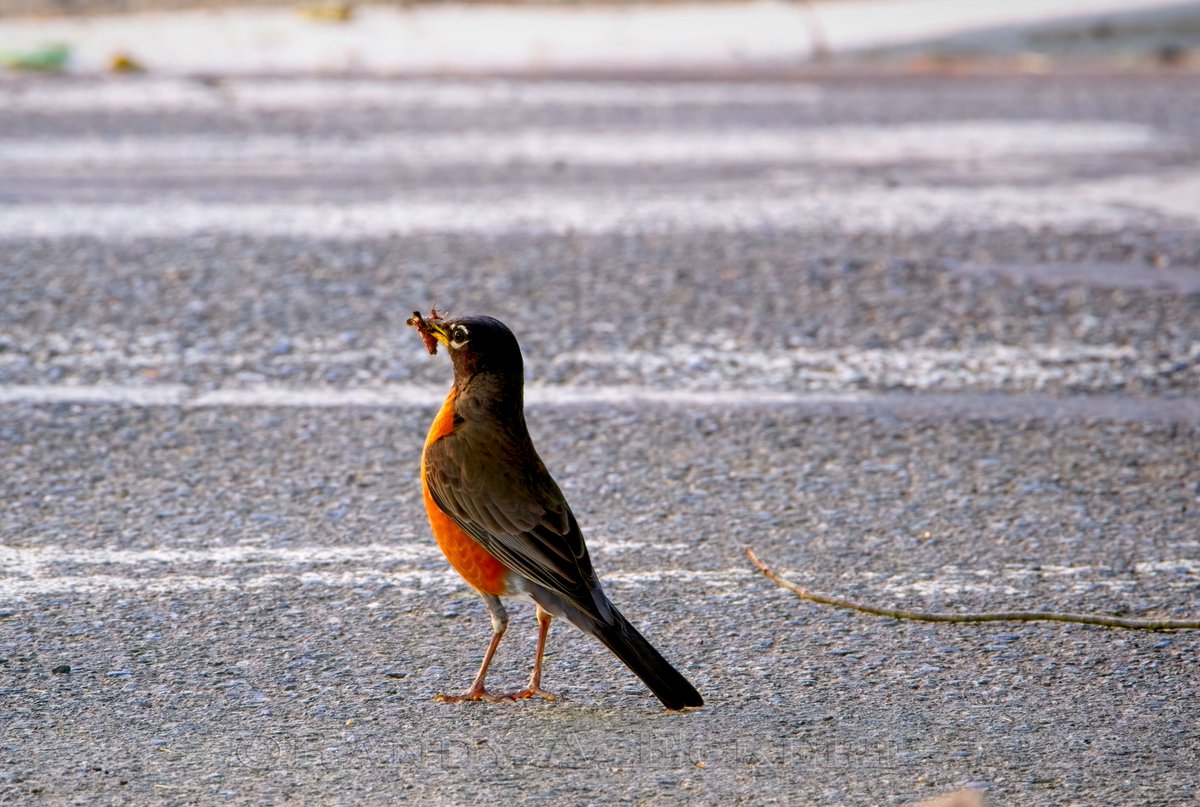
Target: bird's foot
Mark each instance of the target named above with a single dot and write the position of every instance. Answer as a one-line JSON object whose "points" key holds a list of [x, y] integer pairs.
{"points": [[472, 694], [531, 692]]}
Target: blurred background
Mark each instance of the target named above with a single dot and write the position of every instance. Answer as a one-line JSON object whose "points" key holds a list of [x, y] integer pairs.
{"points": [[222, 36]]}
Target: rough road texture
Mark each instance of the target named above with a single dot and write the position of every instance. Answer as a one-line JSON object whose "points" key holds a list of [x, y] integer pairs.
{"points": [[983, 347]]}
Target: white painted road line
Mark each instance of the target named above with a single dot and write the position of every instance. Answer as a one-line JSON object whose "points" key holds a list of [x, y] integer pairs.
{"points": [[1175, 193], [803, 209], [396, 395], [157, 395], [1159, 575], [955, 141], [834, 370], [29, 571], [148, 94], [697, 373], [990, 406]]}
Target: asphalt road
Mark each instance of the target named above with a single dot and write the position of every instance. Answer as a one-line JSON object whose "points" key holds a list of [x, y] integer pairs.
{"points": [[932, 342]]}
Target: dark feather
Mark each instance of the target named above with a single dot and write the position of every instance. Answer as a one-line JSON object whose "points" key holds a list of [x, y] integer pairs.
{"points": [[494, 486]]}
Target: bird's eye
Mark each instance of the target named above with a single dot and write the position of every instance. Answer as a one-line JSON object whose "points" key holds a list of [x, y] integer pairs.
{"points": [[459, 336]]}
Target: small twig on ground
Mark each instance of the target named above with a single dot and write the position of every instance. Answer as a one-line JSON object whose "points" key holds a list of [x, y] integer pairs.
{"points": [[990, 616]]}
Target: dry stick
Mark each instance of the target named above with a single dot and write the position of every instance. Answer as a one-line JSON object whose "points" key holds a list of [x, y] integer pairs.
{"points": [[990, 616]]}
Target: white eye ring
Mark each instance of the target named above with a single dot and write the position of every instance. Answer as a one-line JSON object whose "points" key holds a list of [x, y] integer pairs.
{"points": [[460, 336]]}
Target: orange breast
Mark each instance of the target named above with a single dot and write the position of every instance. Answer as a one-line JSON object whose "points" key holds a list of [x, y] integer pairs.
{"points": [[477, 566]]}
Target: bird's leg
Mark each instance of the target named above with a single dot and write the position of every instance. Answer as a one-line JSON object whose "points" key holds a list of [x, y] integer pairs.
{"points": [[477, 692], [535, 680]]}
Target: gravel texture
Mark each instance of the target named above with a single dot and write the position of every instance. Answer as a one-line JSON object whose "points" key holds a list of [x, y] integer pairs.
{"points": [[201, 681], [205, 603]]}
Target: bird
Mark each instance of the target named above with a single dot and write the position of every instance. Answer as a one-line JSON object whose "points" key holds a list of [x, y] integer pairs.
{"points": [[502, 521]]}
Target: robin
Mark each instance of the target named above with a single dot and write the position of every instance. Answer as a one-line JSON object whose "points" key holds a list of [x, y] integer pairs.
{"points": [[501, 520]]}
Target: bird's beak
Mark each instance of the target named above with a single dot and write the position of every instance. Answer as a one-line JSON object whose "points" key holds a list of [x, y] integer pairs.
{"points": [[438, 330]]}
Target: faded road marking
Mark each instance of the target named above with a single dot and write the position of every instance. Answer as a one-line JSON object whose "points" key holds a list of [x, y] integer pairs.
{"points": [[629, 212], [26, 571], [954, 141], [991, 406], [148, 94]]}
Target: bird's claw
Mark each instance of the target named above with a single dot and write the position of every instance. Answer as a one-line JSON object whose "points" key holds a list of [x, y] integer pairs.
{"points": [[531, 692], [484, 695], [473, 694]]}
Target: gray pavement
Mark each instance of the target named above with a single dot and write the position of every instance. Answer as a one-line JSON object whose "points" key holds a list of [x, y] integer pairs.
{"points": [[922, 345]]}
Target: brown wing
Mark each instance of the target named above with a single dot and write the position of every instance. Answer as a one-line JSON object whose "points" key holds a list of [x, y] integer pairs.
{"points": [[499, 492]]}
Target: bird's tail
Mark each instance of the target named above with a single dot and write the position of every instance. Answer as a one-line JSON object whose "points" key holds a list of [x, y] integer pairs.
{"points": [[667, 684]]}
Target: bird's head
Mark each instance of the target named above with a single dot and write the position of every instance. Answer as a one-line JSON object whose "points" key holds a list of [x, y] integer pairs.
{"points": [[475, 344]]}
